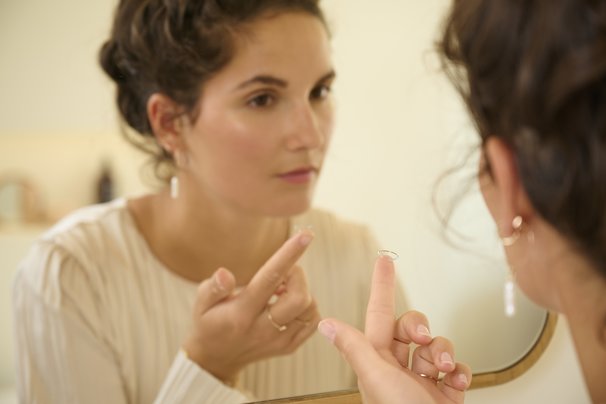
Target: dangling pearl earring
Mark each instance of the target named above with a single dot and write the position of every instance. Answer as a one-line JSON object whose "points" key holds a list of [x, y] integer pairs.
{"points": [[174, 187], [174, 180], [509, 290], [509, 297]]}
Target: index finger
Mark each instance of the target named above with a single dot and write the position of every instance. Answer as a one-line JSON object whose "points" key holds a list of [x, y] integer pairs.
{"points": [[355, 348], [265, 282], [380, 320]]}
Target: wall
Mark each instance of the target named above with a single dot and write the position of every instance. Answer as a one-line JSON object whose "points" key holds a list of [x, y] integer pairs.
{"points": [[400, 127]]}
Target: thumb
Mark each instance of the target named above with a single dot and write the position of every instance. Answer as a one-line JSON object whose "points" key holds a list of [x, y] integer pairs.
{"points": [[214, 289], [353, 345]]}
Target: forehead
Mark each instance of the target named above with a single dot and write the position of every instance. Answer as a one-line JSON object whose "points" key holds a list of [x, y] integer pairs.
{"points": [[293, 45]]}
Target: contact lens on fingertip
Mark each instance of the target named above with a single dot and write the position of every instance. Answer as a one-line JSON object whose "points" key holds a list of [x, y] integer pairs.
{"points": [[389, 254], [300, 227]]}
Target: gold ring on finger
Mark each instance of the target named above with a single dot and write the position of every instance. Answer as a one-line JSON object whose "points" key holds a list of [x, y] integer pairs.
{"points": [[426, 376], [279, 327]]}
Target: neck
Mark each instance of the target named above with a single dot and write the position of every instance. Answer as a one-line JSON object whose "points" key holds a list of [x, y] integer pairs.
{"points": [[582, 297], [194, 240]]}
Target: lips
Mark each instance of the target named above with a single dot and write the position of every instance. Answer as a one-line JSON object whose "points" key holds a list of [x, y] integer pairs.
{"points": [[300, 175]]}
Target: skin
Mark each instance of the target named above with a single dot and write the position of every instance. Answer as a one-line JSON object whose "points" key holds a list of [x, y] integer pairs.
{"points": [[269, 112], [387, 366], [548, 269], [247, 133]]}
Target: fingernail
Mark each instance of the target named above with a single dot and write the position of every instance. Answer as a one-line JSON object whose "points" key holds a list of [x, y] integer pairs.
{"points": [[327, 329], [446, 359], [306, 238], [219, 283], [463, 379], [391, 255], [423, 330]]}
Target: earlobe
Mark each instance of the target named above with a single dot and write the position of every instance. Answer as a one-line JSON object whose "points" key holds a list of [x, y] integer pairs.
{"points": [[163, 115]]}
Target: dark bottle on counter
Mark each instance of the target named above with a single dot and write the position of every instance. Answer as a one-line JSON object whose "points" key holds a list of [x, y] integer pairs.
{"points": [[105, 185]]}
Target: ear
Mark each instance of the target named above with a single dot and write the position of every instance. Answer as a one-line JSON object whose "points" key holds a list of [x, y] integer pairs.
{"points": [[511, 196], [165, 120]]}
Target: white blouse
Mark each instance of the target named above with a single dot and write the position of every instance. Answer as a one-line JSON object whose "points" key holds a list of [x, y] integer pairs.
{"points": [[98, 319]]}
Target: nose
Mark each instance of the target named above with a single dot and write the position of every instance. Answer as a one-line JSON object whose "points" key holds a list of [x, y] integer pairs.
{"points": [[307, 130]]}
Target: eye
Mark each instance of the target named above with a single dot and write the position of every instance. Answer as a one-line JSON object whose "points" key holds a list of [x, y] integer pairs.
{"points": [[261, 100], [320, 92]]}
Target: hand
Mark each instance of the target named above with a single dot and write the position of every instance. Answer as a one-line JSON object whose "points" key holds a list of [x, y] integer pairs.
{"points": [[382, 358], [231, 330]]}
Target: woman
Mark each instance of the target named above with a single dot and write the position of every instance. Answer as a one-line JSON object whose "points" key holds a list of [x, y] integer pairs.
{"points": [[197, 293], [533, 75]]}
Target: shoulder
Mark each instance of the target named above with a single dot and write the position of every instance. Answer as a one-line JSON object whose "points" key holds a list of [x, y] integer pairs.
{"points": [[89, 219], [68, 256], [331, 223], [334, 229], [339, 240], [93, 231]]}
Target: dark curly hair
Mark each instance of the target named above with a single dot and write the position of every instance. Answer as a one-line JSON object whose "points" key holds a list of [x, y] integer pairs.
{"points": [[534, 74], [173, 47]]}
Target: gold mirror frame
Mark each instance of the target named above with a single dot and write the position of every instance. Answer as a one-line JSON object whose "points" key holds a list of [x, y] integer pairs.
{"points": [[519, 367], [25, 204], [479, 380]]}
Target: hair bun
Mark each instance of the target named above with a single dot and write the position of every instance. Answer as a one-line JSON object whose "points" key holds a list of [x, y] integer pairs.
{"points": [[112, 62]]}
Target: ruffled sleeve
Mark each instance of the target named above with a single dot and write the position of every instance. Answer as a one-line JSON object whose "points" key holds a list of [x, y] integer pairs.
{"points": [[64, 347]]}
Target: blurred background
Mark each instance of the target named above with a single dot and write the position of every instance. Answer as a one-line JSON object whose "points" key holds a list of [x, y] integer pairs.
{"points": [[399, 128]]}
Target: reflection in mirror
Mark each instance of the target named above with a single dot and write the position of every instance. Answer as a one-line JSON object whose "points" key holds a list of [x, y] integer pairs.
{"points": [[20, 201], [11, 201], [399, 128], [517, 368], [491, 378]]}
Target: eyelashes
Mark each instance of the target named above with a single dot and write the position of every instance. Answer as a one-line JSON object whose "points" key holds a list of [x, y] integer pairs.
{"points": [[262, 100], [268, 98], [321, 92]]}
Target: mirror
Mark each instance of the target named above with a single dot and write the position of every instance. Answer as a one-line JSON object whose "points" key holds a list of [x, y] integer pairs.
{"points": [[19, 201], [398, 112], [400, 127]]}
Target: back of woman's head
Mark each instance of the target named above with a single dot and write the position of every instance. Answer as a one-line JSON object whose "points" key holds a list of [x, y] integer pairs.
{"points": [[173, 47], [534, 74]]}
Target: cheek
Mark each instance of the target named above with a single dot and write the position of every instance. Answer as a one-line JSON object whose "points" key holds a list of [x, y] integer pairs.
{"points": [[237, 142], [246, 160], [327, 119]]}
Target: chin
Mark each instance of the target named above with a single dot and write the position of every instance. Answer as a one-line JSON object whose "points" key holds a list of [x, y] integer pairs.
{"points": [[293, 210], [291, 207]]}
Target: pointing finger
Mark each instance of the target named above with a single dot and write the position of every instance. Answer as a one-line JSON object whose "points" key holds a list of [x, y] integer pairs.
{"points": [[265, 282], [381, 304]]}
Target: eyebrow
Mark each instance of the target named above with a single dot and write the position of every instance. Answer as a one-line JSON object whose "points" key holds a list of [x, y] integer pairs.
{"points": [[271, 80]]}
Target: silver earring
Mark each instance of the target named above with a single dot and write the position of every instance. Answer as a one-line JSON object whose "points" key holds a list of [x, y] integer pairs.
{"points": [[174, 187]]}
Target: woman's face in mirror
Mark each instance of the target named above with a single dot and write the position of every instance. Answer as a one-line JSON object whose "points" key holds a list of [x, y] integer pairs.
{"points": [[265, 120]]}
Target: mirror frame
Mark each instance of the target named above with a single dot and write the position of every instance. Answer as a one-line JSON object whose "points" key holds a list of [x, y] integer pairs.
{"points": [[519, 367], [479, 380]]}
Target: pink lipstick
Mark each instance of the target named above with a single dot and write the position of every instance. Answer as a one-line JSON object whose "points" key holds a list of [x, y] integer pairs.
{"points": [[299, 176]]}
